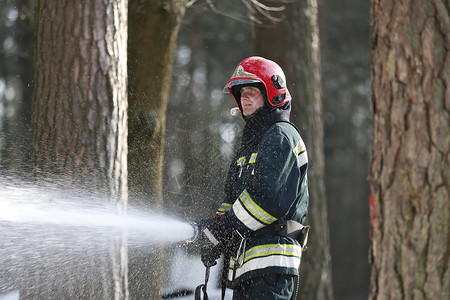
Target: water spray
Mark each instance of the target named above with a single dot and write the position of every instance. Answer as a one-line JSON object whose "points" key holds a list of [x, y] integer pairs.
{"points": [[62, 234], [24, 206]]}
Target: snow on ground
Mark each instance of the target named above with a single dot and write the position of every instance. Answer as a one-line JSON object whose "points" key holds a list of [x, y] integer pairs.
{"points": [[187, 272], [11, 295]]}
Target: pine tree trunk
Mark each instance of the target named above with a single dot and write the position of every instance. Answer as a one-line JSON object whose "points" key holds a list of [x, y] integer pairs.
{"points": [[294, 45], [409, 172], [80, 121]]}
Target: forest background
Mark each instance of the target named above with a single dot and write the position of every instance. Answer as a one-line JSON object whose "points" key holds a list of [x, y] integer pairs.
{"points": [[208, 48]]}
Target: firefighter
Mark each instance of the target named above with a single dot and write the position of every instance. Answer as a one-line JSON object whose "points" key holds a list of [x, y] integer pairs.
{"points": [[259, 224]]}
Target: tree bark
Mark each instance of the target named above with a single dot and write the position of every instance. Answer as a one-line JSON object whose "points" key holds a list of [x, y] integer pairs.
{"points": [[294, 44], [153, 29], [409, 172], [80, 118]]}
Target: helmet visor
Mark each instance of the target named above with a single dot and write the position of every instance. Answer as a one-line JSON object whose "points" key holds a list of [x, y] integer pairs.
{"points": [[240, 81]]}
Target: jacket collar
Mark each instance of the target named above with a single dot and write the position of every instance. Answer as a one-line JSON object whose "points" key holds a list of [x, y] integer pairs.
{"points": [[260, 121]]}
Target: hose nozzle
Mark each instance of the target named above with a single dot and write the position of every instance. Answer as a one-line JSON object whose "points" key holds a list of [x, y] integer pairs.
{"points": [[235, 112], [194, 238]]}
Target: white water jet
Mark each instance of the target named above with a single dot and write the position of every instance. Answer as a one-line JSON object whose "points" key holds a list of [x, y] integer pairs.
{"points": [[62, 234], [40, 207]]}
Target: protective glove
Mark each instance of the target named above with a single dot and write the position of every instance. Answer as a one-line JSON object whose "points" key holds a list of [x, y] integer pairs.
{"points": [[206, 242], [209, 256], [212, 238]]}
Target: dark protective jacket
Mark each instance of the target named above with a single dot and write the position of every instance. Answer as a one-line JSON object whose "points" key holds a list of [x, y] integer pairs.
{"points": [[266, 181]]}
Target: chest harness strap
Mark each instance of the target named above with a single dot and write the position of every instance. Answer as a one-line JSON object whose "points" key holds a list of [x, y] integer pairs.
{"points": [[285, 228]]}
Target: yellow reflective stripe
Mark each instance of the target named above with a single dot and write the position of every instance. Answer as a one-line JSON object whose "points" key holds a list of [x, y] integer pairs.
{"points": [[243, 215], [262, 262], [289, 250], [241, 161], [274, 249], [300, 151], [267, 246], [253, 158], [225, 207], [256, 211], [231, 263], [300, 148]]}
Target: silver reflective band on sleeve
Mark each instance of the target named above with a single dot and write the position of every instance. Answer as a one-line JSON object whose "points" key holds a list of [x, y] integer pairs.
{"points": [[211, 237], [255, 210], [250, 213], [244, 217]]}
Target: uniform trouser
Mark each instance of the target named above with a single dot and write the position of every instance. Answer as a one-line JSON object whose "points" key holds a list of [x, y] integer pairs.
{"points": [[268, 286]]}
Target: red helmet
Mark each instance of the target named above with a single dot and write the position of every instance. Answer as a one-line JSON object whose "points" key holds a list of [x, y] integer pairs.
{"points": [[258, 69]]}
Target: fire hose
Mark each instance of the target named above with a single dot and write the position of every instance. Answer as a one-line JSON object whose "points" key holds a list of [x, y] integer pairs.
{"points": [[202, 287]]}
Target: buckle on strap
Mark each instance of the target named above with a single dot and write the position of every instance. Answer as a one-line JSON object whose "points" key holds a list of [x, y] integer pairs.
{"points": [[281, 227], [303, 237], [294, 229], [286, 228], [298, 232]]}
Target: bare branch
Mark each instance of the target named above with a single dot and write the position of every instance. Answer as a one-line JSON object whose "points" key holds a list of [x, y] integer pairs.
{"points": [[252, 18], [268, 15], [254, 8], [249, 6], [229, 15], [269, 8], [22, 54], [190, 3]]}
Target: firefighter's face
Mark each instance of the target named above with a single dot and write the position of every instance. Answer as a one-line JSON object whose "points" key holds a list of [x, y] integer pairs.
{"points": [[251, 100]]}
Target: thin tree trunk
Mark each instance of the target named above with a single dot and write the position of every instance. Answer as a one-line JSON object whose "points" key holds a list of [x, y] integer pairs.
{"points": [[80, 119], [15, 69], [294, 44], [153, 29], [409, 171]]}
